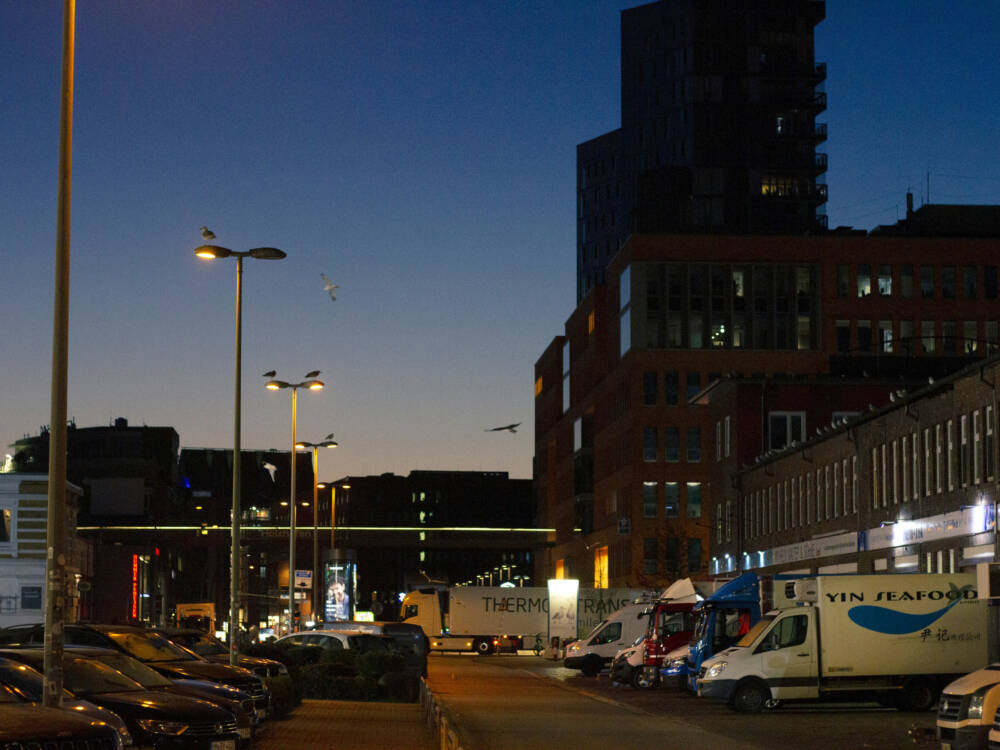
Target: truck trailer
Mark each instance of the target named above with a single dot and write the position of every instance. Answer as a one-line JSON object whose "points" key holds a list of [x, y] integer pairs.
{"points": [[488, 619], [894, 638]]}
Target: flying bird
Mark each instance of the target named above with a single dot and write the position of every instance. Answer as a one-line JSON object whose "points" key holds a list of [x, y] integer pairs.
{"points": [[207, 234], [330, 287], [329, 437], [507, 427], [312, 373], [271, 469], [269, 374]]}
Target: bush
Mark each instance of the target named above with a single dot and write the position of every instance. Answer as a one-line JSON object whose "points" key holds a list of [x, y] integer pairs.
{"points": [[285, 695], [375, 663], [401, 686], [330, 681]]}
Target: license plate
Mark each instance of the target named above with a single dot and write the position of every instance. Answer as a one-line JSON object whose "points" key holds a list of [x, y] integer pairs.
{"points": [[245, 733], [224, 745]]}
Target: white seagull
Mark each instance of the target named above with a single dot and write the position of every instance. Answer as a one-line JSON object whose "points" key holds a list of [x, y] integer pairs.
{"points": [[271, 469], [207, 234], [507, 427], [330, 287]]}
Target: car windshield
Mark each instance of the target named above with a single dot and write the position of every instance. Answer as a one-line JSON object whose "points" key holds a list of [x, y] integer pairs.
{"points": [[134, 669], [366, 642], [756, 630], [201, 643], [88, 677], [150, 647]]}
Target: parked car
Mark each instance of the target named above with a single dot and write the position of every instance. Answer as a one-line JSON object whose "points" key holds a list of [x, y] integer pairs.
{"points": [[240, 704], [333, 640], [26, 726], [27, 684], [160, 720], [209, 647], [151, 648]]}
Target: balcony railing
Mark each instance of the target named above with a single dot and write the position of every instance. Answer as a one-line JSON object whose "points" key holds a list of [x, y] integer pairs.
{"points": [[819, 132], [819, 161]]}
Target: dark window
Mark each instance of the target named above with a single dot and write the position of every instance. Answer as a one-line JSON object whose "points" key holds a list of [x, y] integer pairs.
{"points": [[672, 444], [649, 549], [843, 336], [649, 499], [927, 282], [694, 555], [969, 282], [906, 280], [843, 281], [694, 444], [671, 499], [649, 448], [649, 388], [672, 554], [990, 282], [864, 335], [788, 632], [948, 282], [693, 384], [670, 388]]}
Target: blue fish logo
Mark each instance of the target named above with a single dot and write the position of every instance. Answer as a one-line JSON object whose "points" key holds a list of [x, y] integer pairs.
{"points": [[891, 622]]}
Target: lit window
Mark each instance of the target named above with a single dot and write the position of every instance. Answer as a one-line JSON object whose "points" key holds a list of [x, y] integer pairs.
{"points": [[538, 385]]}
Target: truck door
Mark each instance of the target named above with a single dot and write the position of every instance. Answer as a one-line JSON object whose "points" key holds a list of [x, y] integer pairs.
{"points": [[788, 658]]}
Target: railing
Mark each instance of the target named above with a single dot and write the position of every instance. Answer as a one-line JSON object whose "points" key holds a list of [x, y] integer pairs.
{"points": [[820, 162]]}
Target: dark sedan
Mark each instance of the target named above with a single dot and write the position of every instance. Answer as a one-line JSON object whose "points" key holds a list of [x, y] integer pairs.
{"points": [[211, 648], [25, 726], [160, 720], [151, 648], [240, 704]]}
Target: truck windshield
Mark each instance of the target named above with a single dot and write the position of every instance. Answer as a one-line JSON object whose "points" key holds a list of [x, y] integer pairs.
{"points": [[763, 624]]}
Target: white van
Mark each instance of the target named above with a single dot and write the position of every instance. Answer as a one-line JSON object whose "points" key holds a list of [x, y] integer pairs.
{"points": [[595, 651]]}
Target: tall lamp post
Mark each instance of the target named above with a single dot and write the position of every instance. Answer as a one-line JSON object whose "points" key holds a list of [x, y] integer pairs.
{"points": [[211, 252], [328, 442], [276, 385]]}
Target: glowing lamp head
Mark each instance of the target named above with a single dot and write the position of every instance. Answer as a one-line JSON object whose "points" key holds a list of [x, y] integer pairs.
{"points": [[211, 252], [314, 385]]}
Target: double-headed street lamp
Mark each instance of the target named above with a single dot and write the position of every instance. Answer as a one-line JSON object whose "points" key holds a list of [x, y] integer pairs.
{"points": [[276, 385], [210, 252], [328, 442]]}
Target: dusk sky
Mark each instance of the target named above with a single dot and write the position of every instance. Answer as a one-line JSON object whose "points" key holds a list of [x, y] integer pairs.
{"points": [[421, 155]]}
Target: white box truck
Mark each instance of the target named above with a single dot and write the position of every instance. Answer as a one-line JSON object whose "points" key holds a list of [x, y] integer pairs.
{"points": [[895, 638], [487, 619]]}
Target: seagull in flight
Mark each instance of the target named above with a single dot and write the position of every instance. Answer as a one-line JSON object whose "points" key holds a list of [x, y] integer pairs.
{"points": [[330, 287], [271, 469], [312, 373], [270, 374], [329, 437], [507, 427], [207, 234]]}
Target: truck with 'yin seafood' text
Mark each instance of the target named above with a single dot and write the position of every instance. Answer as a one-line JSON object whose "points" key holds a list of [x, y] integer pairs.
{"points": [[895, 638], [489, 619]]}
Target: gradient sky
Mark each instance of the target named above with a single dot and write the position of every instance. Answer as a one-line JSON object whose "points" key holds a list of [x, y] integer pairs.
{"points": [[422, 155]]}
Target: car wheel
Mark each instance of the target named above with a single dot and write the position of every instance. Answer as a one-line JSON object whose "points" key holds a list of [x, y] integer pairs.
{"points": [[641, 680], [917, 695], [483, 647], [750, 697], [591, 666]]}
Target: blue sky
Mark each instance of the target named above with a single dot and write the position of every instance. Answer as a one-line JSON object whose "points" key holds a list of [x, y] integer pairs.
{"points": [[422, 155]]}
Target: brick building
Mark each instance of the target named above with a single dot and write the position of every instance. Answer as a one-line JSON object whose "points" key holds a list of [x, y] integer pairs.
{"points": [[622, 458]]}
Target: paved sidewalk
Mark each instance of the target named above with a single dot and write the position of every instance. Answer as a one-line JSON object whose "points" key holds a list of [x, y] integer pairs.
{"points": [[349, 725]]}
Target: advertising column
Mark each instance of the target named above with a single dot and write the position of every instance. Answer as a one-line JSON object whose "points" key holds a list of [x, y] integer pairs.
{"points": [[340, 587], [563, 595]]}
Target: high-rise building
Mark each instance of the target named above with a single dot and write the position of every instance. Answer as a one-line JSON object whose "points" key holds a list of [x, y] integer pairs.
{"points": [[718, 128]]}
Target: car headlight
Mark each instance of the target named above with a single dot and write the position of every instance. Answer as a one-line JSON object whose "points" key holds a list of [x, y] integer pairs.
{"points": [[574, 647], [124, 735], [976, 703], [677, 663], [163, 726], [715, 670]]}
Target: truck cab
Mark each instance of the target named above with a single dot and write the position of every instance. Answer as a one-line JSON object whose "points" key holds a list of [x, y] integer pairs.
{"points": [[967, 711], [669, 625]]}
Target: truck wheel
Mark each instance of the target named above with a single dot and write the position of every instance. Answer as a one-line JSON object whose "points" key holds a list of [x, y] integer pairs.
{"points": [[641, 681], [591, 666], [917, 695], [750, 697], [483, 647]]}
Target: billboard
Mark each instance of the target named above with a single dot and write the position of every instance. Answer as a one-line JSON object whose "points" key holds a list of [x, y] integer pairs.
{"points": [[339, 584]]}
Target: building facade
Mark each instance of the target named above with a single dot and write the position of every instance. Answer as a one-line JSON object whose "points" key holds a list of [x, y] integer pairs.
{"points": [[908, 485], [623, 450], [718, 132]]}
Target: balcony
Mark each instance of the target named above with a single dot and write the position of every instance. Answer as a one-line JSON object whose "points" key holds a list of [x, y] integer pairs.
{"points": [[818, 103], [819, 163], [819, 73], [819, 132]]}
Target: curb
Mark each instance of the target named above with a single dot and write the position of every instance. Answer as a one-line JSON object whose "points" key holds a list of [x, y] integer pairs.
{"points": [[440, 721]]}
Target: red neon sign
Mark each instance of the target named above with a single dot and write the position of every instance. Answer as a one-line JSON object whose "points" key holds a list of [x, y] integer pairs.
{"points": [[135, 586]]}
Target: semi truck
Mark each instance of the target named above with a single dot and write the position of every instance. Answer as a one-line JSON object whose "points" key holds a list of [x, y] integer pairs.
{"points": [[894, 638], [488, 619]]}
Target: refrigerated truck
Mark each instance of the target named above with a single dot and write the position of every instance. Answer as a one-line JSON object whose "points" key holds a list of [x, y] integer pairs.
{"points": [[895, 638], [487, 619]]}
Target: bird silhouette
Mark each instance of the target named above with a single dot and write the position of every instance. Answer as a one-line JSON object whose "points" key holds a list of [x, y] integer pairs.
{"points": [[329, 437], [330, 286], [207, 234], [312, 373], [270, 374], [507, 427]]}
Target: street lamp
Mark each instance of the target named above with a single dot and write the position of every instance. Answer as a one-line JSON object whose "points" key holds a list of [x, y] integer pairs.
{"points": [[211, 252], [328, 442], [277, 385]]}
